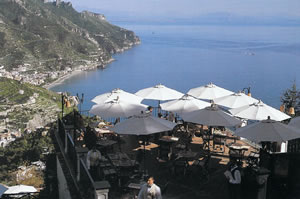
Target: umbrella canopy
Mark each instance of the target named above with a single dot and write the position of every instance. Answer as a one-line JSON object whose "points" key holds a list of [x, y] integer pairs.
{"points": [[295, 122], [211, 116], [159, 92], [268, 130], [143, 124], [258, 111], [185, 104], [235, 100], [117, 108], [209, 92], [20, 189], [117, 94], [2, 189]]}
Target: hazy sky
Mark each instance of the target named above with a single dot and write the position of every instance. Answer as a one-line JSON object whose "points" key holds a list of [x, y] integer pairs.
{"points": [[191, 8]]}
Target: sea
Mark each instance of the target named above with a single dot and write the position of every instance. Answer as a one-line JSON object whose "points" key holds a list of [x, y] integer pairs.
{"points": [[181, 56]]}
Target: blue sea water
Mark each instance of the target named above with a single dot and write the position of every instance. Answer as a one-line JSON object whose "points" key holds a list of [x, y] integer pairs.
{"points": [[266, 58]]}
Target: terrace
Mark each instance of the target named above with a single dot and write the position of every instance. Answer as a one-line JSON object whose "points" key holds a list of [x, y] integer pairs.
{"points": [[185, 163]]}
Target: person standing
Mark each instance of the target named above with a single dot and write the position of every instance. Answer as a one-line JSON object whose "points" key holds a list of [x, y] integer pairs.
{"points": [[234, 179], [150, 190], [93, 160]]}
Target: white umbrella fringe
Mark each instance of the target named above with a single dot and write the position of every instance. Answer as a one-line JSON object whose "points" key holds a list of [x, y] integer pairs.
{"points": [[185, 104], [117, 108], [209, 92], [159, 92], [118, 94], [235, 100], [258, 111]]}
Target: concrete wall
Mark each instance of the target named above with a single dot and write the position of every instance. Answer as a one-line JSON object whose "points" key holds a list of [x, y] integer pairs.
{"points": [[62, 183]]}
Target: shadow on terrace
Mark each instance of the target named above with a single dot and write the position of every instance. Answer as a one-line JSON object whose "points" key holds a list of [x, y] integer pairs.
{"points": [[185, 163]]}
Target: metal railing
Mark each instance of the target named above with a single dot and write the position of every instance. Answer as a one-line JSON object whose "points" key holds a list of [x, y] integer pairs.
{"points": [[71, 151], [86, 182], [61, 132]]}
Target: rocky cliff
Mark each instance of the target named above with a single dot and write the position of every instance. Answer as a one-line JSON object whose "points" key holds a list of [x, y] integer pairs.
{"points": [[51, 36]]}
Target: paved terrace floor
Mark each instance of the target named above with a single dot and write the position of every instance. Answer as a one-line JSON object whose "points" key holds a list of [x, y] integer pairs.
{"points": [[194, 184]]}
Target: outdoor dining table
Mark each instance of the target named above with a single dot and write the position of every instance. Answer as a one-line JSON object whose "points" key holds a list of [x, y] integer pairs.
{"points": [[219, 140], [123, 164], [106, 143], [187, 155], [166, 145], [102, 132], [237, 151], [135, 187], [170, 139], [120, 159]]}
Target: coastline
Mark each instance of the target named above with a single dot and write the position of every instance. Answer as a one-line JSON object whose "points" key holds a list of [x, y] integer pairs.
{"points": [[80, 69], [64, 77], [61, 79]]}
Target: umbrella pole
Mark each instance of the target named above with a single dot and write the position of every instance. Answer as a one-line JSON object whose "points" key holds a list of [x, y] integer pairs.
{"points": [[144, 172], [158, 108]]}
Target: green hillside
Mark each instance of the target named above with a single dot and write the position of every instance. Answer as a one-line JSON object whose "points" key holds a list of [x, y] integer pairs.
{"points": [[47, 36], [20, 103]]}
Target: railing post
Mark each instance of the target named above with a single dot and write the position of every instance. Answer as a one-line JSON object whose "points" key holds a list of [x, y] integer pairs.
{"points": [[66, 143], [80, 152], [101, 189]]}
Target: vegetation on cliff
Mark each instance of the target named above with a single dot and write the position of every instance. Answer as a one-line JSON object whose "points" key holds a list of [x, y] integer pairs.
{"points": [[25, 106], [52, 36]]}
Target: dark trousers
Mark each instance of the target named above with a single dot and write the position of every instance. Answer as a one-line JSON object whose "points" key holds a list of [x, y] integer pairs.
{"points": [[235, 191], [94, 172]]}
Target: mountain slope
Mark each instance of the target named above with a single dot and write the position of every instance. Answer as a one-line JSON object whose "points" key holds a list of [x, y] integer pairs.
{"points": [[53, 36], [23, 106]]}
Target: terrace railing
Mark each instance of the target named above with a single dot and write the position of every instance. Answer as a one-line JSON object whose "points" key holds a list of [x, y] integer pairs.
{"points": [[74, 156]]}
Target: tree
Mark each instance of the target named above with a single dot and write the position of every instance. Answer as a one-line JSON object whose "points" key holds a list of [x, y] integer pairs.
{"points": [[291, 98]]}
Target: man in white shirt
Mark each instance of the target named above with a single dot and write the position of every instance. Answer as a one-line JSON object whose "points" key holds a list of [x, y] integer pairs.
{"points": [[234, 180], [93, 160], [150, 190]]}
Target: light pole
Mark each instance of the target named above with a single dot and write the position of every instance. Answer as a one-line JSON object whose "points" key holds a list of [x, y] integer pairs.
{"points": [[248, 91], [62, 105], [80, 100]]}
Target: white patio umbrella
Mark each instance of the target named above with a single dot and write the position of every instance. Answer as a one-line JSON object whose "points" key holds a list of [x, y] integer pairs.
{"points": [[295, 122], [258, 111], [184, 104], [268, 130], [211, 116], [117, 108], [209, 92], [18, 189], [235, 100], [117, 94], [159, 92], [143, 124]]}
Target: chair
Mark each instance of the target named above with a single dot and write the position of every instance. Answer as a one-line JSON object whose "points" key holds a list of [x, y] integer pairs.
{"points": [[206, 137], [180, 167], [252, 159], [202, 167], [182, 143], [219, 142]]}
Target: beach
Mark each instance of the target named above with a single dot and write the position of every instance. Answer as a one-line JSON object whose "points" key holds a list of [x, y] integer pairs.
{"points": [[61, 79], [77, 71]]}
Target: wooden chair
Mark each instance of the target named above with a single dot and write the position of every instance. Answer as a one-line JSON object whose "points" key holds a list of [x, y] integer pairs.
{"points": [[219, 142], [206, 137]]}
